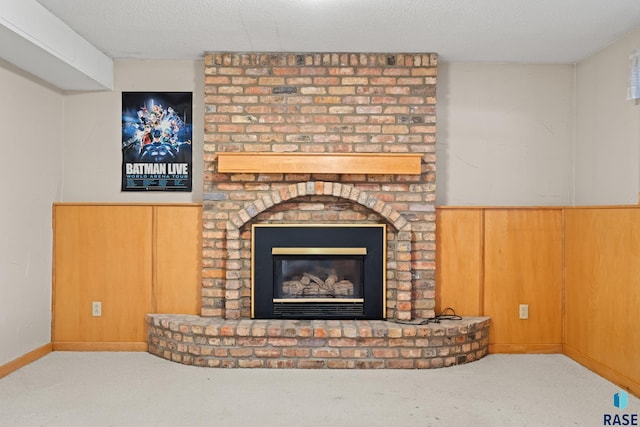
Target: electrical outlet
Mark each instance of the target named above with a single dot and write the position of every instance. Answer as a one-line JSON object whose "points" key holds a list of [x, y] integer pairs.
{"points": [[524, 311], [96, 309]]}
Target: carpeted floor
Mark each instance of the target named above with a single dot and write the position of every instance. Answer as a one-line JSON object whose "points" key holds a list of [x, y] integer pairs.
{"points": [[136, 389]]}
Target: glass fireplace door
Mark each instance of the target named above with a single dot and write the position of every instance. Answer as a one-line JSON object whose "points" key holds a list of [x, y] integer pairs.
{"points": [[320, 274]]}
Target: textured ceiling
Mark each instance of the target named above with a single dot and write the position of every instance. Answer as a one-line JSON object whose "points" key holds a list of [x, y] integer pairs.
{"points": [[532, 31]]}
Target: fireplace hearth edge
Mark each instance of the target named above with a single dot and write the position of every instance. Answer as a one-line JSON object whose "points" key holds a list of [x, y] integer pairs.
{"points": [[316, 344]]}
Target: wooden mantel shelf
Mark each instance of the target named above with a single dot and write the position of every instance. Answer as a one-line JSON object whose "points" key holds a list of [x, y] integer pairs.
{"points": [[339, 163]]}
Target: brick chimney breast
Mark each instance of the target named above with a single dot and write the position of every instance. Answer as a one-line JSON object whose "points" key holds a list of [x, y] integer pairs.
{"points": [[361, 103]]}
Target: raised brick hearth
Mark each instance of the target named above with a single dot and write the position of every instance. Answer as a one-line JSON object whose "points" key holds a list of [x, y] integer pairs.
{"points": [[200, 341], [321, 103]]}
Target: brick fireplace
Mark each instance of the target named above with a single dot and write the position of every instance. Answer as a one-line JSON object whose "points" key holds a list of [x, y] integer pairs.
{"points": [[348, 119]]}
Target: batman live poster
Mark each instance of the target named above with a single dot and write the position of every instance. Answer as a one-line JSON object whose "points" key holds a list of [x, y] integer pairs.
{"points": [[156, 141]]}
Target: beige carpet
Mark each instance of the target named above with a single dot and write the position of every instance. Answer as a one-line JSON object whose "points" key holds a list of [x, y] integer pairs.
{"points": [[136, 389]]}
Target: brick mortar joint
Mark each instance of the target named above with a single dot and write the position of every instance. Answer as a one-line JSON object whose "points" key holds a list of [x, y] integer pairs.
{"points": [[301, 59]]}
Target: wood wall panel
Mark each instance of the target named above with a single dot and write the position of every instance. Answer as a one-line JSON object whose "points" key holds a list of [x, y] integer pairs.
{"points": [[135, 259], [459, 268], [603, 289], [523, 264], [140, 259], [178, 250], [102, 253]]}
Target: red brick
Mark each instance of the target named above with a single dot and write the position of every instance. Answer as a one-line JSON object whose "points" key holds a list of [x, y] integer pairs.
{"points": [[412, 353], [216, 118], [327, 99], [241, 352], [296, 352], [267, 352], [299, 81], [369, 71], [281, 364], [244, 80], [271, 81], [370, 364], [326, 81], [311, 364], [313, 71], [235, 71], [231, 128], [402, 342], [341, 71], [401, 364], [250, 363], [217, 99], [368, 129], [354, 353], [326, 119], [361, 100], [385, 353], [227, 331], [244, 99], [431, 71], [385, 81], [252, 342], [216, 80], [282, 342], [342, 90], [230, 90], [313, 90], [340, 364], [325, 353], [342, 342], [284, 71], [220, 352]]}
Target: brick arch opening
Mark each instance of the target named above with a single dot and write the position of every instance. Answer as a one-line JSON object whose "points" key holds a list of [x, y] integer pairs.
{"points": [[237, 286]]}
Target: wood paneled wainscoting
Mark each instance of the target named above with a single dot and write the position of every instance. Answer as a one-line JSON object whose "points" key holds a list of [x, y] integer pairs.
{"points": [[134, 259], [602, 292], [577, 269], [491, 260]]}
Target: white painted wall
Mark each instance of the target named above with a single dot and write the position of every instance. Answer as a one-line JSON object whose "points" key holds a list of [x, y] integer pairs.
{"points": [[92, 123], [505, 137], [607, 143], [31, 180], [504, 134]]}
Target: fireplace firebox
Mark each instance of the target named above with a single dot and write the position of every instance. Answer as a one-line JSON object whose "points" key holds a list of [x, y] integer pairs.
{"points": [[318, 271]]}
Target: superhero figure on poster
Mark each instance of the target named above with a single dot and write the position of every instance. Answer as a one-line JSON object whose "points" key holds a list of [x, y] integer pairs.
{"points": [[153, 133]]}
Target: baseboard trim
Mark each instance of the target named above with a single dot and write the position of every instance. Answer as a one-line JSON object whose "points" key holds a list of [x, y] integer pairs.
{"points": [[604, 371], [525, 348], [99, 346], [25, 359]]}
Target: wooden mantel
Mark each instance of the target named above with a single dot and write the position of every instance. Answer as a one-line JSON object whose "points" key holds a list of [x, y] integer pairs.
{"points": [[339, 163]]}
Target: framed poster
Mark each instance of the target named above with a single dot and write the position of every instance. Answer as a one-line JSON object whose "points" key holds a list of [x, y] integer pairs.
{"points": [[156, 141]]}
